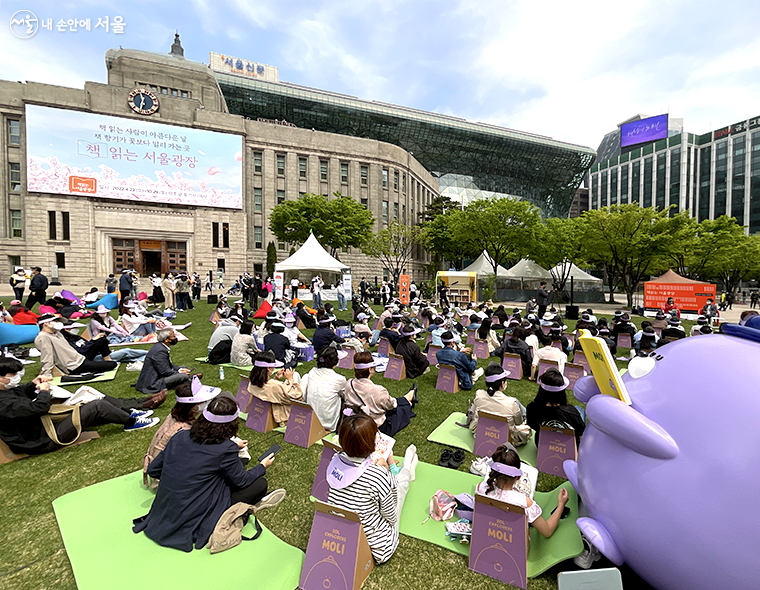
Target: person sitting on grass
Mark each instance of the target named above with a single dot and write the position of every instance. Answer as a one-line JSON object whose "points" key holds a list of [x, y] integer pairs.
{"points": [[265, 385], [306, 318], [390, 332], [243, 345], [494, 401], [23, 406], [158, 372], [505, 473], [292, 333], [279, 344], [389, 413], [367, 486], [56, 352], [467, 368], [485, 332], [325, 335], [416, 363], [550, 407], [515, 343], [324, 389], [190, 397], [547, 353], [201, 477]]}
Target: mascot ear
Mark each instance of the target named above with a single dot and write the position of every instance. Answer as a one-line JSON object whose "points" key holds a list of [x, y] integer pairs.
{"points": [[630, 428], [600, 538]]}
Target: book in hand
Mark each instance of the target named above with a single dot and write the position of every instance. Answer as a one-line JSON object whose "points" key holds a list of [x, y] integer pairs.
{"points": [[603, 367]]}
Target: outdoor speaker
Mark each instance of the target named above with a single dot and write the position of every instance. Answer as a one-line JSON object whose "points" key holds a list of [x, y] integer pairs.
{"points": [[571, 312], [212, 299]]}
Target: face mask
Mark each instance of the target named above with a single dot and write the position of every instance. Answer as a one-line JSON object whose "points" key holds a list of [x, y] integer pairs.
{"points": [[16, 379], [56, 325]]}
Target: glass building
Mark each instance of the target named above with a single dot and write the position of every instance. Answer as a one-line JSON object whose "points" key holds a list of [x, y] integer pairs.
{"points": [[471, 160], [709, 175]]}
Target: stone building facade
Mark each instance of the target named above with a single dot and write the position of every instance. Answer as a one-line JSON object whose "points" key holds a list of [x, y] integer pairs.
{"points": [[87, 238]]}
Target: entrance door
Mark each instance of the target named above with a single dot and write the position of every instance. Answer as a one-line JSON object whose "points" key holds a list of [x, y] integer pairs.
{"points": [[151, 262], [123, 255]]}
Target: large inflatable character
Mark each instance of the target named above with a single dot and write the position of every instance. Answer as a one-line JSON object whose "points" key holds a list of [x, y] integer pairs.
{"points": [[672, 482]]}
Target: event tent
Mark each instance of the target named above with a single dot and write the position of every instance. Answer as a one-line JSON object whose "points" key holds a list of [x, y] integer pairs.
{"points": [[688, 294], [311, 256], [527, 269], [484, 266], [580, 278]]}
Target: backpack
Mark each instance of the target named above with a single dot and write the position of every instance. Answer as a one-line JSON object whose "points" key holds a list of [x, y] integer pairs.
{"points": [[442, 505], [220, 354]]}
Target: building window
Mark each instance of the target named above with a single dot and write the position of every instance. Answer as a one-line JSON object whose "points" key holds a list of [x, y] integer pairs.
{"points": [[280, 245], [52, 232], [14, 132], [403, 213], [220, 265], [323, 170], [175, 92], [185, 94], [257, 162], [346, 250], [344, 172], [258, 236], [17, 230], [403, 182], [60, 260], [164, 91], [385, 178], [14, 262], [301, 195], [257, 201], [15, 176], [225, 235], [65, 226], [302, 167], [364, 174], [365, 202], [280, 165], [214, 234], [395, 211], [395, 180], [385, 211], [280, 196]]}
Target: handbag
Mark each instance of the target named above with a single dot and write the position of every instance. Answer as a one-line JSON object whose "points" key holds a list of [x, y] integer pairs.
{"points": [[58, 413], [228, 532]]}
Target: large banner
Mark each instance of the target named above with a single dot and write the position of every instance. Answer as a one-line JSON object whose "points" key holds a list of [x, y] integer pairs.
{"points": [[688, 296], [75, 153]]}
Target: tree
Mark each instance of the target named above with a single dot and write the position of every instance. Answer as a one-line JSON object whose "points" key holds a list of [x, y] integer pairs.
{"points": [[736, 263], [339, 223], [627, 240], [394, 247], [559, 243], [439, 237], [271, 258], [438, 205], [504, 227]]}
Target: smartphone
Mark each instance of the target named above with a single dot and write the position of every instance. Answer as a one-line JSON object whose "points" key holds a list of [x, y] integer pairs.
{"points": [[273, 450], [565, 511]]}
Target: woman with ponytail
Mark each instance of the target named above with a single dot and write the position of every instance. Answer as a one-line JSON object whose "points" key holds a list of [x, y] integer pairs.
{"points": [[505, 473], [494, 401]]}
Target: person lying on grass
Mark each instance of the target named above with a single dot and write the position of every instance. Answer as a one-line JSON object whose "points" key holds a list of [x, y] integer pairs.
{"points": [[505, 473]]}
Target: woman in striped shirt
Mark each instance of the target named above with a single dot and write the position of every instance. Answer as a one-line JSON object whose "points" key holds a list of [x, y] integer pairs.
{"points": [[366, 485]]}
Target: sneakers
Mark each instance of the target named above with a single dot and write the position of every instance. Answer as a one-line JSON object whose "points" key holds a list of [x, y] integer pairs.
{"points": [[154, 400], [477, 373], [586, 559], [141, 423], [481, 466], [135, 366], [410, 460], [140, 413], [271, 500]]}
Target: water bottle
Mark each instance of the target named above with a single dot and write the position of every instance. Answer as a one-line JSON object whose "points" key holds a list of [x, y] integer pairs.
{"points": [[221, 372]]}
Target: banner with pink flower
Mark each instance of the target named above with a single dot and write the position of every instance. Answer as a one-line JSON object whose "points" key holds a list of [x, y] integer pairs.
{"points": [[84, 154]]}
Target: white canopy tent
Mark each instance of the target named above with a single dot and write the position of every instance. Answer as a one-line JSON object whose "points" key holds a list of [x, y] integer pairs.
{"points": [[580, 278], [484, 266], [528, 270], [311, 256]]}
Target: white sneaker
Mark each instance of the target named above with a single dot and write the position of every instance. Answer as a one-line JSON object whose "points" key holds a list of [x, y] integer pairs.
{"points": [[410, 460], [481, 466], [33, 352], [271, 500], [477, 374], [586, 559], [135, 366]]}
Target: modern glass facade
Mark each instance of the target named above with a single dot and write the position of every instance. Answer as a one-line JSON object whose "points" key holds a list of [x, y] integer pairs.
{"points": [[488, 159], [708, 175]]}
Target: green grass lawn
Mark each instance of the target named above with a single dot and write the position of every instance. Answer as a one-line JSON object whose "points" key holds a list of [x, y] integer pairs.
{"points": [[32, 555]]}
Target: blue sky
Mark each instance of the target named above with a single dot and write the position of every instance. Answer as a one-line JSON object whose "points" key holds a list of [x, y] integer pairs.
{"points": [[569, 70]]}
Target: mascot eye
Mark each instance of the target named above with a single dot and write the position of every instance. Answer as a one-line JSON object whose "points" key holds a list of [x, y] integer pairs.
{"points": [[640, 366]]}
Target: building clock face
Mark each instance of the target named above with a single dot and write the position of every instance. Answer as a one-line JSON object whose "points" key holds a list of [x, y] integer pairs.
{"points": [[143, 102]]}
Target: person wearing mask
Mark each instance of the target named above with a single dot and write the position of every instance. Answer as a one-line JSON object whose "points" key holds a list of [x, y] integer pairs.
{"points": [[265, 385], [182, 287], [201, 477], [22, 407], [37, 288], [169, 289], [494, 400], [293, 333], [125, 284], [56, 352], [467, 368], [294, 284], [159, 373], [710, 310], [325, 335], [18, 283], [341, 292], [542, 298], [227, 330], [548, 353], [102, 322], [137, 325], [416, 363]]}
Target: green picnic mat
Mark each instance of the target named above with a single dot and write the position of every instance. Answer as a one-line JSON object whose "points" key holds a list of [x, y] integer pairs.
{"points": [[544, 553], [107, 376], [96, 526], [449, 434], [204, 359]]}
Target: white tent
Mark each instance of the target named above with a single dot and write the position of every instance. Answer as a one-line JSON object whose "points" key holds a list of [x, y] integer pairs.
{"points": [[527, 269], [578, 275], [311, 256], [484, 266]]}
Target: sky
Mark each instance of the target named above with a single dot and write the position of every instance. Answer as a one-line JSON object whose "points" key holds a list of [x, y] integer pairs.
{"points": [[569, 70]]}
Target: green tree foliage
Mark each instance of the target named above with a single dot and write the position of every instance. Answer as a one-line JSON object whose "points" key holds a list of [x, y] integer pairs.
{"points": [[628, 241], [271, 258], [438, 205], [736, 262], [394, 247], [559, 243], [338, 223], [505, 228], [441, 237]]}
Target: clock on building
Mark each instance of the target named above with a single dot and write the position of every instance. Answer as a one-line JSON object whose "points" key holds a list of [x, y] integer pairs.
{"points": [[143, 102]]}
